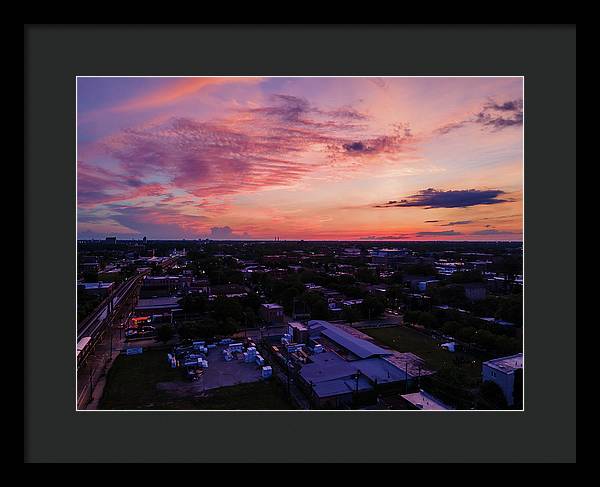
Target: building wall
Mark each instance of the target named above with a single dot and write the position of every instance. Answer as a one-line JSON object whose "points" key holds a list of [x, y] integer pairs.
{"points": [[334, 402], [271, 315], [475, 293], [102, 291], [505, 381]]}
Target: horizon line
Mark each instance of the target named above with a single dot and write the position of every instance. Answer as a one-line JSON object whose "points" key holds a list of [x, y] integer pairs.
{"points": [[290, 240]]}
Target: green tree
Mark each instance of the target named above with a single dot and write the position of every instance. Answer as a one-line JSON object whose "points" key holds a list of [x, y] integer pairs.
{"points": [[467, 334], [90, 276], [491, 396], [365, 274], [462, 277], [224, 309], [397, 278], [165, 333], [203, 329], [421, 270], [194, 303], [486, 339], [451, 295], [350, 314], [451, 327], [411, 317], [316, 304], [427, 320], [372, 307]]}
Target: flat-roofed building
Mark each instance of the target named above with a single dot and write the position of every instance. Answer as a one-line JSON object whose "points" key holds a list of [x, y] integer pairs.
{"points": [[351, 367], [474, 291], [227, 291], [424, 401], [427, 284], [272, 313], [389, 257], [162, 305], [298, 331], [200, 285], [99, 288], [414, 281], [164, 285], [503, 372], [89, 263], [351, 303]]}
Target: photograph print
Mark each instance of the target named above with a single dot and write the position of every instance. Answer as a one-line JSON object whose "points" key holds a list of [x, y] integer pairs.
{"points": [[300, 243]]}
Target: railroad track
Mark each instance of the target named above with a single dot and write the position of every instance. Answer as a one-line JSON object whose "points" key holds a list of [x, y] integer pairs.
{"points": [[95, 323], [90, 330]]}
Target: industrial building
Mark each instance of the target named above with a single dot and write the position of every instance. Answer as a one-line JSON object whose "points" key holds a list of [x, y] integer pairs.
{"points": [[344, 366]]}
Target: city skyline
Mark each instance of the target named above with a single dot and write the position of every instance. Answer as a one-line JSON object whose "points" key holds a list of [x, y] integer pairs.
{"points": [[300, 158]]}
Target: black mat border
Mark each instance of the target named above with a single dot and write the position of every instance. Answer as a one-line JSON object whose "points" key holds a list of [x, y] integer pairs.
{"points": [[545, 55]]}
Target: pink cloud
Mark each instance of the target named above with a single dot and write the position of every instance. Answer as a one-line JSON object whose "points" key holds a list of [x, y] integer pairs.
{"points": [[97, 185], [255, 148], [179, 176], [176, 90]]}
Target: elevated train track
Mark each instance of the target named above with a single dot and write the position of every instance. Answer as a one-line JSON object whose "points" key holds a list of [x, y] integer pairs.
{"points": [[91, 329]]}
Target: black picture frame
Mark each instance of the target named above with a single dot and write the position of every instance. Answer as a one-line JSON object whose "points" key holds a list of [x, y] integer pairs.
{"points": [[544, 54]]}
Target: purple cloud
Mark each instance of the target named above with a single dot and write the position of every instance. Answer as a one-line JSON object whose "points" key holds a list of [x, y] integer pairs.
{"points": [[255, 148], [461, 222], [226, 233], [434, 198], [493, 115], [443, 233], [493, 231]]}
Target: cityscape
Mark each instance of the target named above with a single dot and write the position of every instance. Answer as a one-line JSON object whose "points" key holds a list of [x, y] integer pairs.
{"points": [[300, 243]]}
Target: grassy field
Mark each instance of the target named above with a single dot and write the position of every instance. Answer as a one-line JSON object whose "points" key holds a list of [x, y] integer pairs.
{"points": [[405, 339], [255, 395], [132, 380]]}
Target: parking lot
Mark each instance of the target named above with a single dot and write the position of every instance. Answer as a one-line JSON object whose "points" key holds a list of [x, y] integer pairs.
{"points": [[147, 381], [219, 373]]}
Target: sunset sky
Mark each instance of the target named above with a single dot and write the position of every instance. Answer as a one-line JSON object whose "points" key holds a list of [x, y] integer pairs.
{"points": [[300, 158]]}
